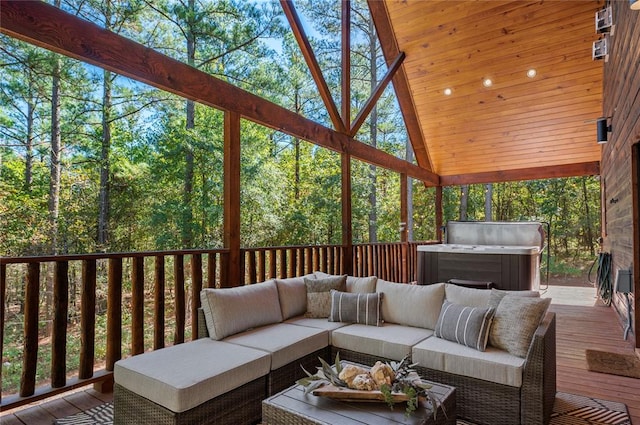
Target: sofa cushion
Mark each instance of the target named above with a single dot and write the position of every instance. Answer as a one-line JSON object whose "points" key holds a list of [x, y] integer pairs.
{"points": [[317, 323], [498, 294], [411, 305], [284, 341], [467, 296], [231, 310], [292, 294], [184, 376], [388, 341], [492, 365], [356, 308], [361, 285], [515, 322], [319, 295], [465, 325]]}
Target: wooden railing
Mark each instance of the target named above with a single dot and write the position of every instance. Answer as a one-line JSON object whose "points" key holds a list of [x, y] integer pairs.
{"points": [[156, 291]]}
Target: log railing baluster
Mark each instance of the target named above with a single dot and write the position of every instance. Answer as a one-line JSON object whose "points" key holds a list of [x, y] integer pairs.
{"points": [[180, 298], [114, 313], [30, 353], [262, 260], [273, 266], [87, 319], [282, 253], [59, 336], [211, 270], [196, 287], [291, 269], [158, 302], [137, 306], [253, 270]]}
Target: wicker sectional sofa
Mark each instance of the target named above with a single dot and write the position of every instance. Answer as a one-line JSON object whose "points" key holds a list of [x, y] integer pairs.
{"points": [[254, 340]]}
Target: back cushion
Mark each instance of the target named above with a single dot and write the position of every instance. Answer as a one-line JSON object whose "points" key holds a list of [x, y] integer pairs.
{"points": [[471, 297], [232, 310], [293, 296], [361, 285], [411, 305]]}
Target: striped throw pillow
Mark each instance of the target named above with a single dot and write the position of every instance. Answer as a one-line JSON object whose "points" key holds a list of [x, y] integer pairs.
{"points": [[465, 325], [356, 308]]}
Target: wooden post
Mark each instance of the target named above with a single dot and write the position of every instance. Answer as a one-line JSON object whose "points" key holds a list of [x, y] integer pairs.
{"points": [[232, 198], [137, 306], [87, 319], [347, 227], [60, 312]]}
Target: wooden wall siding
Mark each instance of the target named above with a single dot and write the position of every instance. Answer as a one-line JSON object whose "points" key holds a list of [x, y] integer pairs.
{"points": [[520, 122], [622, 104]]}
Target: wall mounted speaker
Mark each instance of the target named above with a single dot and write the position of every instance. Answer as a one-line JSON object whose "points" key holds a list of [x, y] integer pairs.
{"points": [[602, 129]]}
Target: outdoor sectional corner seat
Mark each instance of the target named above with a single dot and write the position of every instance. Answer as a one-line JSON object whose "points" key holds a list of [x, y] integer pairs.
{"points": [[497, 348]]}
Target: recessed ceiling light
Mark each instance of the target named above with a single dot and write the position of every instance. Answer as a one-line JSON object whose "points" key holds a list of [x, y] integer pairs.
{"points": [[448, 91], [487, 82], [532, 73]]}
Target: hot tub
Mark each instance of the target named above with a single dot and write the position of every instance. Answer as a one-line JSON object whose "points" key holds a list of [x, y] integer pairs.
{"points": [[505, 253]]}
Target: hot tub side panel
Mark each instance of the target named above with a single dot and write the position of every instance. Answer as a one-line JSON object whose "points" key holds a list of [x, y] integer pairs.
{"points": [[507, 272]]}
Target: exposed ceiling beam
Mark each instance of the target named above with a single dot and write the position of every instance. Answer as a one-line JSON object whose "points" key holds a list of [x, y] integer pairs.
{"points": [[533, 173], [373, 99], [312, 63], [390, 50], [51, 28]]}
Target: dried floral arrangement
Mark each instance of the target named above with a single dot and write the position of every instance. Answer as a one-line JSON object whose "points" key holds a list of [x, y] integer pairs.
{"points": [[389, 379]]}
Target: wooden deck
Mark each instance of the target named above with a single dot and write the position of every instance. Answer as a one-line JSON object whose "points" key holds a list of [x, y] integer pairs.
{"points": [[582, 322]]}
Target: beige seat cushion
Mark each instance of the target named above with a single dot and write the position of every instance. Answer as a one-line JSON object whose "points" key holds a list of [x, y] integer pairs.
{"points": [[285, 342], [184, 376], [390, 341], [231, 310], [411, 305], [492, 365], [317, 323]]}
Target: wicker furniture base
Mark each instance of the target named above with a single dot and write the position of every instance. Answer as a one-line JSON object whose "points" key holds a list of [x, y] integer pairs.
{"points": [[239, 406], [293, 407], [286, 375]]}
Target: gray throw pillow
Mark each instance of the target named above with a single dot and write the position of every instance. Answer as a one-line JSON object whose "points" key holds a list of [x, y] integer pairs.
{"points": [[319, 295], [465, 325], [356, 308], [515, 322]]}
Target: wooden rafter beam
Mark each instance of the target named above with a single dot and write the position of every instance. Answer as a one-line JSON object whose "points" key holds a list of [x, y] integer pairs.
{"points": [[312, 63], [533, 173], [46, 26], [390, 50], [373, 99]]}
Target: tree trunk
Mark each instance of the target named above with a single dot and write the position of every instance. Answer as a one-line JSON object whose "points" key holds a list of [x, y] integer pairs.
{"points": [[28, 166], [373, 135], [105, 163], [296, 143], [488, 197], [56, 156], [464, 201], [587, 213], [187, 217]]}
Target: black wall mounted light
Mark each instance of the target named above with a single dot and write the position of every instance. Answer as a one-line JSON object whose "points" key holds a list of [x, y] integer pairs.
{"points": [[603, 128]]}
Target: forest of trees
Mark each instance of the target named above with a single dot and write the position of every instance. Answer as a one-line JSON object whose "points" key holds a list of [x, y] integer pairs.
{"points": [[92, 161]]}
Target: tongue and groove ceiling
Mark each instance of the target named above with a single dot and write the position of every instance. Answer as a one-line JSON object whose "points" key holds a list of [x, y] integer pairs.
{"points": [[520, 127]]}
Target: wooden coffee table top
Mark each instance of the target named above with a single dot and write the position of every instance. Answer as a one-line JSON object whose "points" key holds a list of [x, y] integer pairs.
{"points": [[293, 407]]}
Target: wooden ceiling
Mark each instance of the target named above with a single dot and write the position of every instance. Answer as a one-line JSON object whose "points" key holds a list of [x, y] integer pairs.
{"points": [[520, 127]]}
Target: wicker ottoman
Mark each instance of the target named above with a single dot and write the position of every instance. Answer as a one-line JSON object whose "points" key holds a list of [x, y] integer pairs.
{"points": [[199, 382]]}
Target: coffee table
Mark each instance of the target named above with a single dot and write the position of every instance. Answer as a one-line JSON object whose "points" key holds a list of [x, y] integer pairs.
{"points": [[293, 407]]}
